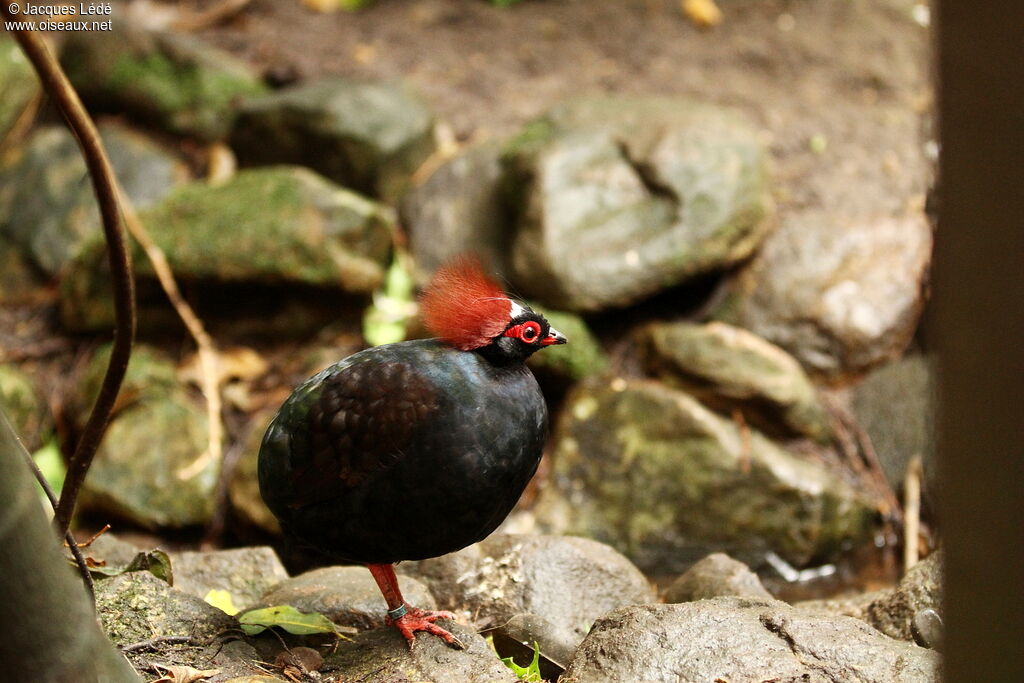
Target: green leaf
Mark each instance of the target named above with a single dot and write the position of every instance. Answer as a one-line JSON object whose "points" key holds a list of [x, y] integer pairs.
{"points": [[221, 600], [156, 562], [50, 462], [287, 618], [529, 673], [388, 317]]}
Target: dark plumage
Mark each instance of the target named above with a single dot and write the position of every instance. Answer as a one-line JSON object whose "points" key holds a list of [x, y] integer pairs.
{"points": [[416, 449]]}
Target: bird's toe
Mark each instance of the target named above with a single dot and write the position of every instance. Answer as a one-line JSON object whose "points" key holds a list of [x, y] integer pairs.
{"points": [[423, 620]]}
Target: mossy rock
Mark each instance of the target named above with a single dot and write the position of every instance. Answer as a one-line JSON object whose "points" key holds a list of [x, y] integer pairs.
{"points": [[174, 81], [729, 369], [137, 606], [275, 227], [140, 470], [25, 409], [581, 357], [649, 470], [47, 202], [18, 83]]}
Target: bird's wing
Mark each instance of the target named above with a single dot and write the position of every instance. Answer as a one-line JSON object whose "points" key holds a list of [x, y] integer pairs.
{"points": [[362, 423]]}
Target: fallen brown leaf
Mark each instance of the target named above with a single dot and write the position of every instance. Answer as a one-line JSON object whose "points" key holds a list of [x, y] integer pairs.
{"points": [[182, 674]]}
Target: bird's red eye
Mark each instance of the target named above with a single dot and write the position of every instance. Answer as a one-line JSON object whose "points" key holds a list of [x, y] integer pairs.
{"points": [[527, 332]]}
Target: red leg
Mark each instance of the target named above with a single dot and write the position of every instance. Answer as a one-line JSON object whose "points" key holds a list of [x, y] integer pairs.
{"points": [[403, 616]]}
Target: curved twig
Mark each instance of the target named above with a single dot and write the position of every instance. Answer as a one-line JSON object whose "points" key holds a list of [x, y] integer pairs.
{"points": [[83, 568], [57, 86]]}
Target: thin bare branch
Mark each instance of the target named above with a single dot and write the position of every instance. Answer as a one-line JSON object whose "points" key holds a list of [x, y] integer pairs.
{"points": [[64, 96], [69, 539], [912, 511]]}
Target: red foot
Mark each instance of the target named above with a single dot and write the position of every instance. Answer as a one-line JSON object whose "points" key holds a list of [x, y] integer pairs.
{"points": [[423, 620]]}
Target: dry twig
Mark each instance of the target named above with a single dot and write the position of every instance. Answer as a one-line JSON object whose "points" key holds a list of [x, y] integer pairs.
{"points": [[219, 13], [912, 511]]}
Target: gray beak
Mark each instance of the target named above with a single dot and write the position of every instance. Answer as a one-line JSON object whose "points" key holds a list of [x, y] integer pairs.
{"points": [[554, 337]]}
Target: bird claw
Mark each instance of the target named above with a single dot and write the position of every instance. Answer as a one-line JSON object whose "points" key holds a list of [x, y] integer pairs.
{"points": [[423, 620]]}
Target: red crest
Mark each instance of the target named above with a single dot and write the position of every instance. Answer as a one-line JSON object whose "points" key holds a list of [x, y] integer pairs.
{"points": [[464, 306]]}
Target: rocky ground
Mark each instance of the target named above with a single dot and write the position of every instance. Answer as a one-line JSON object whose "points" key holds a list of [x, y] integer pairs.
{"points": [[729, 226]]}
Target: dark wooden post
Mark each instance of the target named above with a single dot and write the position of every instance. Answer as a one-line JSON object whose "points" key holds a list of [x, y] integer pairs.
{"points": [[978, 326]]}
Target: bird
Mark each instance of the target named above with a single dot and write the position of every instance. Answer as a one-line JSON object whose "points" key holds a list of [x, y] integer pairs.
{"points": [[415, 449]]}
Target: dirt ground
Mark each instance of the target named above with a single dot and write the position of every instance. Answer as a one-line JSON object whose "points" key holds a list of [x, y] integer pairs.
{"points": [[840, 87]]}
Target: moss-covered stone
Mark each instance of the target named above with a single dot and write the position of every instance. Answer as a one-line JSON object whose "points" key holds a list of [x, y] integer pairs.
{"points": [[624, 197], [275, 226], [731, 368], [18, 83], [138, 606], [47, 205], [149, 371], [649, 470], [174, 81], [28, 415], [140, 470], [368, 136]]}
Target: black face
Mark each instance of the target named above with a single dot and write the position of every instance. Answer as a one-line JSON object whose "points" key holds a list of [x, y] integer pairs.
{"points": [[526, 333]]}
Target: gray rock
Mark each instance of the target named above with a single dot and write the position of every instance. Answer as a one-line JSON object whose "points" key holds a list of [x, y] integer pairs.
{"points": [[717, 575], [276, 226], [172, 80], [650, 471], [852, 605], [895, 405], [741, 639], [460, 209], [348, 596], [730, 368], [928, 629], [139, 472], [382, 656], [47, 205], [138, 606], [625, 197], [24, 407], [18, 83], [368, 136], [841, 295], [568, 581], [921, 589], [245, 573]]}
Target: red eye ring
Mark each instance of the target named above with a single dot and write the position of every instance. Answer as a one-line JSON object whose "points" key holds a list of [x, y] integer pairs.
{"points": [[527, 332]]}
